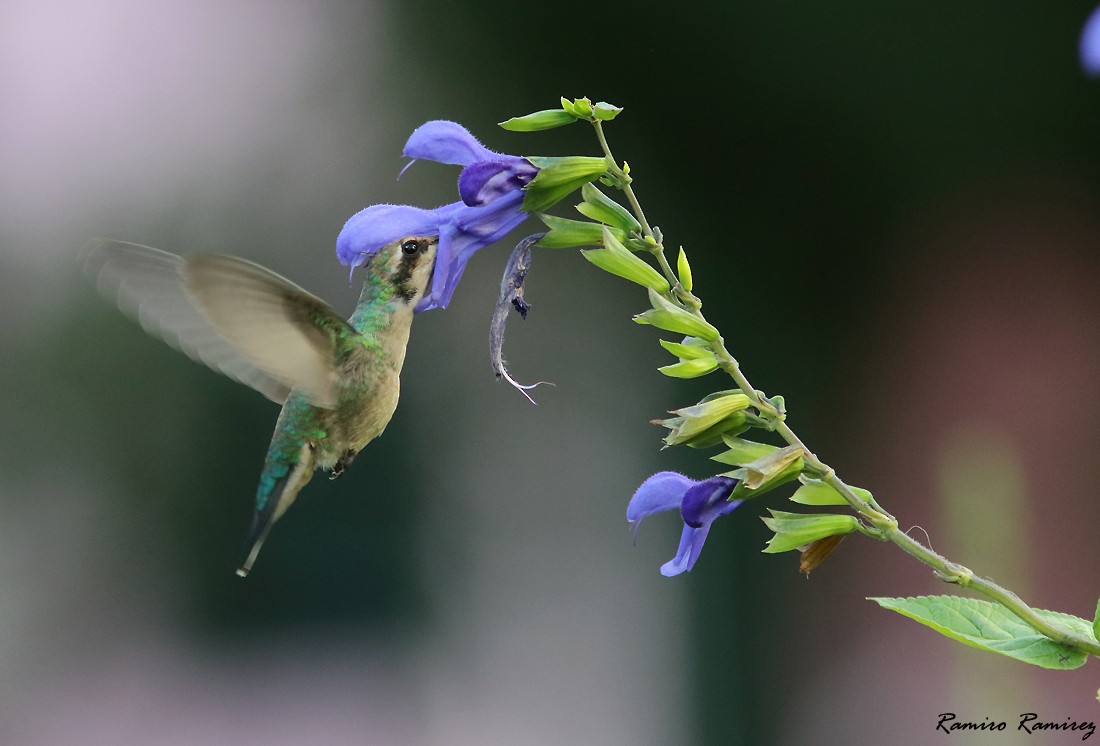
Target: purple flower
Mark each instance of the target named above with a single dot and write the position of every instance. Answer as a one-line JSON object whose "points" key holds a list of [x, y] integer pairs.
{"points": [[700, 503], [1090, 44], [490, 186]]}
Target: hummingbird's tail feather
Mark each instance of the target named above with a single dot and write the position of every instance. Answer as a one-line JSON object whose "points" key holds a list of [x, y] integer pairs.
{"points": [[273, 498]]}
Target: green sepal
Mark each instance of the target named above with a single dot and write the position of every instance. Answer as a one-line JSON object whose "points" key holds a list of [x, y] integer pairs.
{"points": [[794, 530], [565, 233], [599, 206], [992, 627], [539, 120], [618, 260], [767, 472], [605, 112], [816, 492], [735, 424], [683, 270], [742, 452], [692, 421], [691, 348], [559, 177], [672, 318], [690, 368]]}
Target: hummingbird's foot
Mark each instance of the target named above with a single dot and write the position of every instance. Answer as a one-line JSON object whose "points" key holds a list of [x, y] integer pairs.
{"points": [[342, 465]]}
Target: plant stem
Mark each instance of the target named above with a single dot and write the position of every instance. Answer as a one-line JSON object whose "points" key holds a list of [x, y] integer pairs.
{"points": [[882, 525]]}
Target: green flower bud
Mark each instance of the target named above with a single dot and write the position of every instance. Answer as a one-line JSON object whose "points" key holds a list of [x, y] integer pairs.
{"points": [[668, 316], [539, 120], [558, 177], [683, 270], [599, 206], [816, 492], [794, 530], [617, 260], [565, 233], [582, 107]]}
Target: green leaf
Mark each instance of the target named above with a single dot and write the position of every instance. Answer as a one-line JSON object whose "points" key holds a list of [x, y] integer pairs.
{"points": [[565, 233], [794, 530], [683, 270], [989, 626], [816, 492], [539, 120], [690, 368], [599, 206], [672, 318], [1096, 622], [559, 177], [605, 112], [692, 350]]}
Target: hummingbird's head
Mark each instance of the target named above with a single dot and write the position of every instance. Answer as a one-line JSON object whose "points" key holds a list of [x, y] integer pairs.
{"points": [[406, 265]]}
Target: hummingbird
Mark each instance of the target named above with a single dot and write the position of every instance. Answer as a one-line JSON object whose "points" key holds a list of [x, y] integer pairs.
{"points": [[338, 381]]}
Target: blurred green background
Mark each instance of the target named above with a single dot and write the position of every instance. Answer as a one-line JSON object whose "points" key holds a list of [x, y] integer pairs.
{"points": [[892, 214]]}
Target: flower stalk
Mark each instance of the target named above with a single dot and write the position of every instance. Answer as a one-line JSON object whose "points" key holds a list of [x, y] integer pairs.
{"points": [[875, 521]]}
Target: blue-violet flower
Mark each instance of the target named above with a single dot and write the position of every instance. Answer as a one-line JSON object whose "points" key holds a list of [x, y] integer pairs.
{"points": [[700, 503], [1090, 44], [490, 186]]}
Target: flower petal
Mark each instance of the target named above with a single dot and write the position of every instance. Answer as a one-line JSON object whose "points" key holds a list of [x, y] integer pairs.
{"points": [[663, 491], [708, 500], [446, 142], [373, 227], [1090, 44], [485, 181], [465, 230], [691, 544]]}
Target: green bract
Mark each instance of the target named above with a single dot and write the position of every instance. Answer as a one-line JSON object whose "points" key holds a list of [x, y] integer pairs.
{"points": [[668, 316], [598, 206], [557, 177], [565, 233], [696, 359], [794, 530], [742, 452], [816, 492], [616, 259], [606, 112], [690, 349], [690, 368]]}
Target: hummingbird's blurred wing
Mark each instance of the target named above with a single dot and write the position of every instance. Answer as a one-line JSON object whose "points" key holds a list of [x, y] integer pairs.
{"points": [[237, 317]]}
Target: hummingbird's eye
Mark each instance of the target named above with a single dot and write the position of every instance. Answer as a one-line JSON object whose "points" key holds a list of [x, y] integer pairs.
{"points": [[410, 247]]}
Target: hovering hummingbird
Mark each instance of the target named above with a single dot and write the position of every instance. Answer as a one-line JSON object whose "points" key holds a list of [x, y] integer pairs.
{"points": [[337, 380]]}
